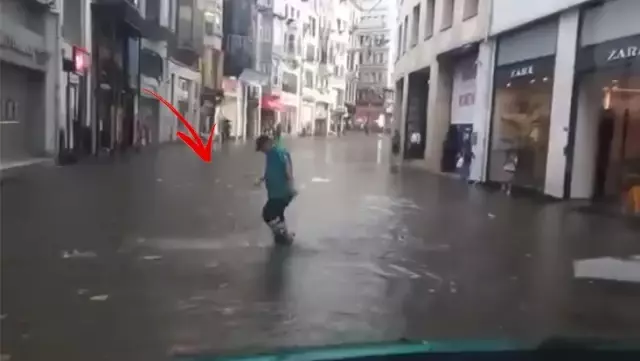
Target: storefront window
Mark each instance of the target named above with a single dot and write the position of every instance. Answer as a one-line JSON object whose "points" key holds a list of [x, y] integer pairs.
{"points": [[520, 124]]}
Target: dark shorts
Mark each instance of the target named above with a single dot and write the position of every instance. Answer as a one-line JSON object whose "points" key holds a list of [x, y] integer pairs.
{"points": [[274, 208]]}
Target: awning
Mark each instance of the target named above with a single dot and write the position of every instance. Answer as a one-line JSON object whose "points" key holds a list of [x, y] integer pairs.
{"points": [[272, 102], [254, 78]]}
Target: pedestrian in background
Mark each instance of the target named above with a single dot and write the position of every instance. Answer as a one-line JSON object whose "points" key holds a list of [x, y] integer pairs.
{"points": [[395, 149], [510, 167]]}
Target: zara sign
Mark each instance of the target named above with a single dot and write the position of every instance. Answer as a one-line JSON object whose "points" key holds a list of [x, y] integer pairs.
{"points": [[522, 71], [623, 53]]}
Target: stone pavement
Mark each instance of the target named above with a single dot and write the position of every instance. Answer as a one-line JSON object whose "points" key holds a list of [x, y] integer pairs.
{"points": [[158, 252]]}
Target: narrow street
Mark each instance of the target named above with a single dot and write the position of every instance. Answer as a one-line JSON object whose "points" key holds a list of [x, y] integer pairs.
{"points": [[160, 252]]}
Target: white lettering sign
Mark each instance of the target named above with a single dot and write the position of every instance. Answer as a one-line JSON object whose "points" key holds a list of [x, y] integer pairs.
{"points": [[623, 53], [523, 71]]}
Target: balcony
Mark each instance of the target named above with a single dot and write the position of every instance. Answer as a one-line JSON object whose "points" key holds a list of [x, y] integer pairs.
{"points": [[152, 26], [264, 6], [119, 11], [188, 44], [239, 54]]}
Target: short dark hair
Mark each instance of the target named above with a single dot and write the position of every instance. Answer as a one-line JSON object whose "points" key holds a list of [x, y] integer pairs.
{"points": [[261, 141]]}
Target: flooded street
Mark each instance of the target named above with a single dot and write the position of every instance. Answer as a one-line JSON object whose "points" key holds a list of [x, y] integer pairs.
{"points": [[160, 252]]}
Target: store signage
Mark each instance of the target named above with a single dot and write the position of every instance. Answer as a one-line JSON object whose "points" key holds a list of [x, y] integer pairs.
{"points": [[623, 53], [81, 60], [8, 42], [522, 71]]}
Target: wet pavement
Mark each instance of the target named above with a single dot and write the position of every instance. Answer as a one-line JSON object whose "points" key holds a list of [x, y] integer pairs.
{"points": [[160, 252]]}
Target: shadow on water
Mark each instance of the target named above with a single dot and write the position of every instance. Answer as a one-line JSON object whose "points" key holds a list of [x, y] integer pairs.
{"points": [[277, 270]]}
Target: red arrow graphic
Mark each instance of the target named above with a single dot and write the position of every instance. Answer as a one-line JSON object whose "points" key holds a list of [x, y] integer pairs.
{"points": [[194, 142]]}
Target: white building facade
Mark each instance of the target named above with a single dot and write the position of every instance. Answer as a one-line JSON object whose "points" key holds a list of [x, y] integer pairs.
{"points": [[310, 47], [566, 96], [443, 73], [373, 50], [544, 95]]}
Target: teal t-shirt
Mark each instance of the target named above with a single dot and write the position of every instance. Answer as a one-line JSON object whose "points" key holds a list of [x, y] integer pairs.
{"points": [[275, 174]]}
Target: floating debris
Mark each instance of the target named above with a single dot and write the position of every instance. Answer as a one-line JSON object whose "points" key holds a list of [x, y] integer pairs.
{"points": [[3, 316], [78, 254], [320, 180], [152, 258], [405, 271], [82, 291], [99, 298], [5, 357], [159, 180], [491, 216]]}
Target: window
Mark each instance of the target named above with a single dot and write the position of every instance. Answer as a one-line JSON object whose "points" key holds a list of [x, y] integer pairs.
{"points": [[308, 79], [291, 43], [415, 25], [399, 42], [208, 24], [470, 9], [521, 121], [312, 26], [447, 14], [289, 82], [429, 19], [275, 73], [406, 38], [339, 97], [310, 53], [151, 64]]}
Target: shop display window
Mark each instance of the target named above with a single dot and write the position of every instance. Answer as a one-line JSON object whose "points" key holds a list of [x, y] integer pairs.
{"points": [[520, 125]]}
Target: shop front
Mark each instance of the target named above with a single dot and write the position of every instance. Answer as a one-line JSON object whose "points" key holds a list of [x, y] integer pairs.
{"points": [[604, 161], [116, 56], [321, 118], [271, 106], [416, 116], [28, 56], [458, 148], [75, 135], [521, 113]]}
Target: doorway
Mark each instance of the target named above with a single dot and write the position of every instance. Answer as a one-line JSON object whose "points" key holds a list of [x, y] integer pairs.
{"points": [[607, 142], [416, 115]]}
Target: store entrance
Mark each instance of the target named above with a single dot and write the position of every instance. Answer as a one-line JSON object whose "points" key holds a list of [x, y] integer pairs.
{"points": [[607, 145]]}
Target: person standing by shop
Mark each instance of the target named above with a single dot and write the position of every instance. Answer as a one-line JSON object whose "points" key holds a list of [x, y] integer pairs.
{"points": [[395, 149], [510, 167]]}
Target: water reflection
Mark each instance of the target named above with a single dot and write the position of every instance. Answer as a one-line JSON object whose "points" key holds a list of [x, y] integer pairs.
{"points": [[277, 270]]}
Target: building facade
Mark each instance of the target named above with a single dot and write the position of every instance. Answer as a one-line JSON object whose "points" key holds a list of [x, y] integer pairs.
{"points": [[306, 67], [113, 52], [565, 97], [212, 66], [30, 56], [373, 45], [442, 74]]}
